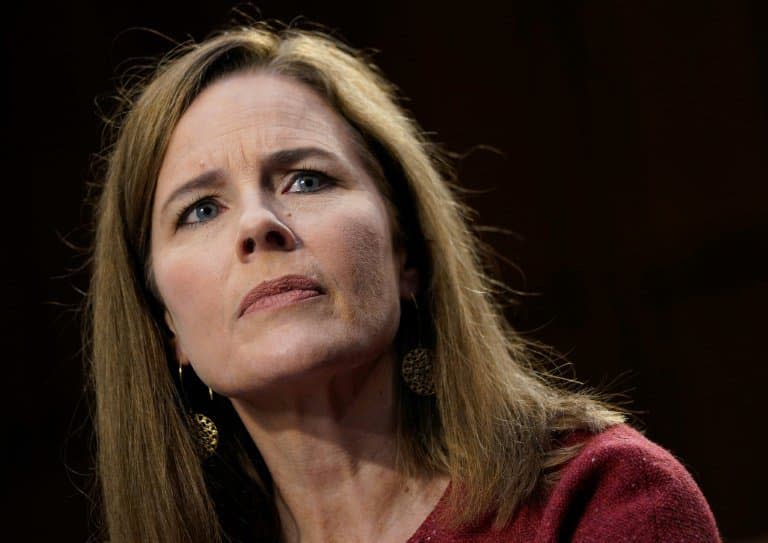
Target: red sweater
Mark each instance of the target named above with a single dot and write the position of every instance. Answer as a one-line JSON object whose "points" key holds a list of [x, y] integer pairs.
{"points": [[619, 488]]}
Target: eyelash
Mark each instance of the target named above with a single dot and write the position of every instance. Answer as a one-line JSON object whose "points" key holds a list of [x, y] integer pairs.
{"points": [[182, 215], [211, 198], [309, 172]]}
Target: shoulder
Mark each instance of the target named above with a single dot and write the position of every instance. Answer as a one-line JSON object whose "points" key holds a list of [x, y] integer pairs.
{"points": [[620, 487], [623, 487]]}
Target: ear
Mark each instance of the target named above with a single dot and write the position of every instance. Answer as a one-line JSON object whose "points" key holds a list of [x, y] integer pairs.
{"points": [[169, 321], [408, 277], [179, 353]]}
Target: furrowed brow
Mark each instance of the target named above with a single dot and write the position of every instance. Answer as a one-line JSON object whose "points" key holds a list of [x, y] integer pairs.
{"points": [[286, 158], [279, 160], [212, 179]]}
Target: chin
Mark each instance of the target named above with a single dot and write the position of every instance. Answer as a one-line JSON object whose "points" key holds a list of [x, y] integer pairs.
{"points": [[300, 365]]}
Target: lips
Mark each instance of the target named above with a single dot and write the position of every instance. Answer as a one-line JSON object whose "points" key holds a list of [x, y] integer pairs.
{"points": [[278, 291]]}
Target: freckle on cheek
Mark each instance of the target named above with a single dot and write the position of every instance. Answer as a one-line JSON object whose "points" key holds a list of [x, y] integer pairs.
{"points": [[362, 249]]}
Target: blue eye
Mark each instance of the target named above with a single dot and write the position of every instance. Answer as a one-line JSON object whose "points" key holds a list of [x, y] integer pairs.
{"points": [[308, 181], [199, 212]]}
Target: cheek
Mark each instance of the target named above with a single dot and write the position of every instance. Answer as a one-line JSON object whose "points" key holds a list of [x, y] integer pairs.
{"points": [[365, 248], [367, 268], [185, 284]]}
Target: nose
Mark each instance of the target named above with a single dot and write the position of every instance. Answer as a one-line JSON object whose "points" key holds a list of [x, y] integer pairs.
{"points": [[262, 230]]}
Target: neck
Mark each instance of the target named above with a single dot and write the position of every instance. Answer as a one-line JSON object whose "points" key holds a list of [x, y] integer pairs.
{"points": [[330, 449]]}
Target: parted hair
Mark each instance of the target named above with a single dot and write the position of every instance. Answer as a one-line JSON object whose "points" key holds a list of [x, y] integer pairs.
{"points": [[495, 423]]}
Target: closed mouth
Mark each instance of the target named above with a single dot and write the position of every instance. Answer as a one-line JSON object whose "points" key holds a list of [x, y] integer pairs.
{"points": [[281, 291]]}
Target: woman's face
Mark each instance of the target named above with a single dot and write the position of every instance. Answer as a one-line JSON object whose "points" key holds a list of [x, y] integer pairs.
{"points": [[262, 180]]}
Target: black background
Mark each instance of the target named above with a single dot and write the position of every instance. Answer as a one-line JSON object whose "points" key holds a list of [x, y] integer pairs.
{"points": [[630, 164]]}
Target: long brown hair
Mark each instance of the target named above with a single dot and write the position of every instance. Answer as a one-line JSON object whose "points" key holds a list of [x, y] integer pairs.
{"points": [[494, 422]]}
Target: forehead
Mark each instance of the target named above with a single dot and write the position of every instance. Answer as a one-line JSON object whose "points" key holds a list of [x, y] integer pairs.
{"points": [[253, 113]]}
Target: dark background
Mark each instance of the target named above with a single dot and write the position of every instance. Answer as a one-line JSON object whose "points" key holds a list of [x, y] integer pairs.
{"points": [[630, 166]]}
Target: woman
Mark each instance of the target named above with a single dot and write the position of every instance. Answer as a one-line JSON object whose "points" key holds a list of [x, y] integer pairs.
{"points": [[292, 338]]}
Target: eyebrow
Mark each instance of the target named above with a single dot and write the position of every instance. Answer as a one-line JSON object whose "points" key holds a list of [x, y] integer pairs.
{"points": [[279, 160]]}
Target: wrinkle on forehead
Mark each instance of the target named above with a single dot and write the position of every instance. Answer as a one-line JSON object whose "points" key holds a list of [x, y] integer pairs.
{"points": [[261, 112], [283, 109]]}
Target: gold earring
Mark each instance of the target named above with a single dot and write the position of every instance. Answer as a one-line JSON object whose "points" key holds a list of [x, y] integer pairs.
{"points": [[204, 431], [417, 371], [210, 390], [205, 434], [416, 367]]}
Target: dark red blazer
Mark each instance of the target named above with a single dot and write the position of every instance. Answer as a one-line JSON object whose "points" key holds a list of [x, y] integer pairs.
{"points": [[621, 487]]}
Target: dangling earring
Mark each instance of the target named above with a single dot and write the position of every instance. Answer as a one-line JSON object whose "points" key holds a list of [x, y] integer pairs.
{"points": [[204, 431], [416, 367]]}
